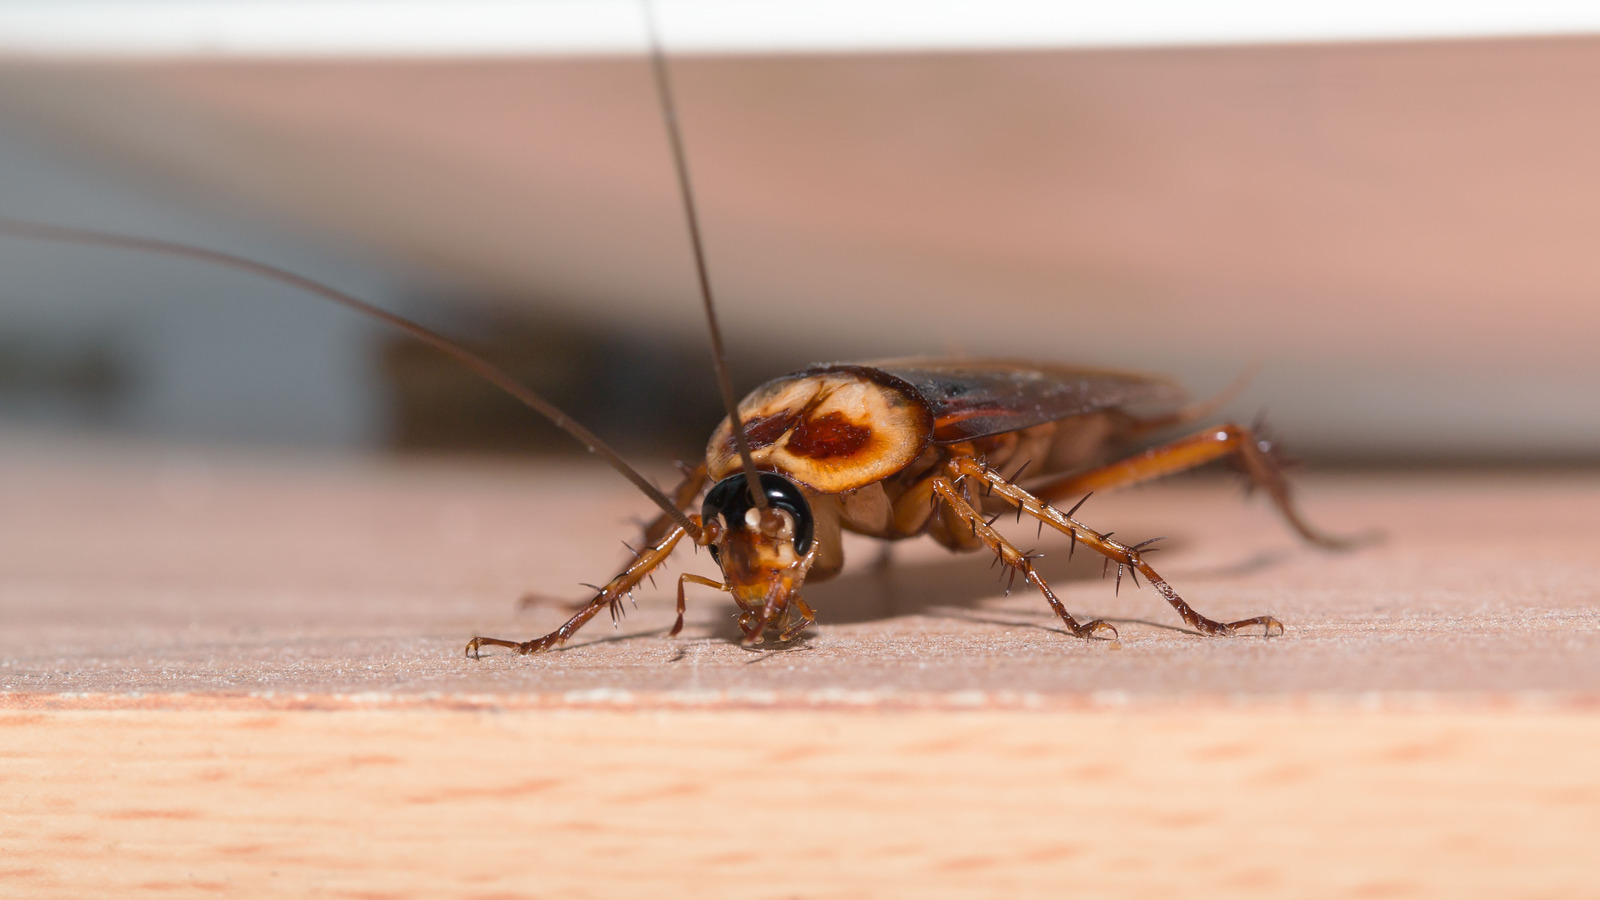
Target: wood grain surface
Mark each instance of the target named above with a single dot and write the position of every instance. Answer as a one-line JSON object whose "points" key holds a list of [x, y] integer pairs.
{"points": [[431, 803], [241, 673]]}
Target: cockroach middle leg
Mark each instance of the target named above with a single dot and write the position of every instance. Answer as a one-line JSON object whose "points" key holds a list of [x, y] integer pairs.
{"points": [[1127, 558], [945, 488], [1231, 439], [609, 596]]}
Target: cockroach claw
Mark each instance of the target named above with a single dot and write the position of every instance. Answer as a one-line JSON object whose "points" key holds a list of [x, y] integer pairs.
{"points": [[1270, 626], [1090, 631]]}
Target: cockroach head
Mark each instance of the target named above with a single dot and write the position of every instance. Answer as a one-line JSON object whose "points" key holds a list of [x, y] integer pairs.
{"points": [[787, 516], [764, 551]]}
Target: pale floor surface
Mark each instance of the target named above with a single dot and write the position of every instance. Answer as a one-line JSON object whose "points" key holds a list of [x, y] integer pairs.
{"points": [[242, 675], [225, 575]]}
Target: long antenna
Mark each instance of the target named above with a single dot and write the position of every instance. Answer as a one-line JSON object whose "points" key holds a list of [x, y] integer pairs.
{"points": [[719, 360], [488, 370]]}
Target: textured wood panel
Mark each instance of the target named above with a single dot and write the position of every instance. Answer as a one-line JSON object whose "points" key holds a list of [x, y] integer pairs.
{"points": [[429, 803]]}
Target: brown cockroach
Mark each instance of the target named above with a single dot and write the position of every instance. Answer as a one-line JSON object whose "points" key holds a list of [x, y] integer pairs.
{"points": [[891, 450], [903, 448]]}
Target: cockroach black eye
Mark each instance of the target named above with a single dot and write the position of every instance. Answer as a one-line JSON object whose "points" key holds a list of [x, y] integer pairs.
{"points": [[730, 498]]}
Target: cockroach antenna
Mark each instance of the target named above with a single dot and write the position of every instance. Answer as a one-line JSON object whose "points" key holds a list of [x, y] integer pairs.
{"points": [[485, 369], [719, 360], [900, 427]]}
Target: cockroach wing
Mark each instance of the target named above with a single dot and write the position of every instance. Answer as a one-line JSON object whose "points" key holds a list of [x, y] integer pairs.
{"points": [[831, 428], [975, 398]]}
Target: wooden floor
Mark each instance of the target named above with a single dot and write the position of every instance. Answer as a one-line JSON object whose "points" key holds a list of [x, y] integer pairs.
{"points": [[226, 673]]}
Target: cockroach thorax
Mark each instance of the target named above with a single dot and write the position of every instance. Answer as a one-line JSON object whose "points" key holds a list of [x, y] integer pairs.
{"points": [[830, 429]]}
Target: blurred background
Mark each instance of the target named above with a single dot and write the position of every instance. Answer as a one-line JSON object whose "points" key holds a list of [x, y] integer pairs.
{"points": [[1394, 208]]}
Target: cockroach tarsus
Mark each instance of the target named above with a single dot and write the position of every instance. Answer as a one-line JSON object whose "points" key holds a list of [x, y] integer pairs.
{"points": [[892, 449]]}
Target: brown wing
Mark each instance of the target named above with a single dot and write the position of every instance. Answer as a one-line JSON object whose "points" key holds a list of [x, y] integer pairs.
{"points": [[974, 398]]}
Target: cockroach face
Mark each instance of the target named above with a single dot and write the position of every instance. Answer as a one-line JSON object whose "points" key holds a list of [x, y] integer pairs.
{"points": [[764, 553]]}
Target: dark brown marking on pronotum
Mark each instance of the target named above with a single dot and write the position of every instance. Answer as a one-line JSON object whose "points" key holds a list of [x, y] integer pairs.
{"points": [[764, 431], [828, 436], [852, 429]]}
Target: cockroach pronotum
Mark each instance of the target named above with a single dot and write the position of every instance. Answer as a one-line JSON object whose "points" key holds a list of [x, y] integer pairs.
{"points": [[891, 450]]}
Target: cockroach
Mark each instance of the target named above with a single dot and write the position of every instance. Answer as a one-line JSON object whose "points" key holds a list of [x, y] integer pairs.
{"points": [[891, 449]]}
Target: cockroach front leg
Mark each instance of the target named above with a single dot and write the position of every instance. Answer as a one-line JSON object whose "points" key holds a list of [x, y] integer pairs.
{"points": [[792, 617], [683, 496], [801, 615], [609, 596], [1252, 452], [944, 487], [682, 605], [1126, 557], [755, 622]]}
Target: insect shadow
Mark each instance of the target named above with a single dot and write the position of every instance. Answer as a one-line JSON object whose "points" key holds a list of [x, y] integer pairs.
{"points": [[954, 586], [939, 587]]}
